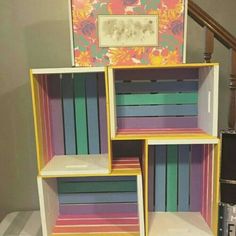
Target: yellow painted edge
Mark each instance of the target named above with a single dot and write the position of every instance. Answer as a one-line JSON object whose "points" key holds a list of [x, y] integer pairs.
{"points": [[113, 173], [36, 122], [146, 188], [183, 65], [97, 234], [216, 189], [108, 122]]}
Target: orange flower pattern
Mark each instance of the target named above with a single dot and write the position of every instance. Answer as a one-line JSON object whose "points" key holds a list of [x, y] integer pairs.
{"points": [[171, 14]]}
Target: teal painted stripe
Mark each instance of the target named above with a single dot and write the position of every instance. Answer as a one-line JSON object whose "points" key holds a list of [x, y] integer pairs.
{"points": [[18, 223], [97, 179], [68, 114], [183, 177], [160, 178], [172, 161], [156, 86], [157, 110], [92, 113], [81, 114], [156, 99], [96, 187]]}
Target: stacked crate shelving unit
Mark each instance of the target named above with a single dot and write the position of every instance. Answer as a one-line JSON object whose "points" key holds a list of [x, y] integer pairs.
{"points": [[173, 109], [79, 192], [156, 158]]}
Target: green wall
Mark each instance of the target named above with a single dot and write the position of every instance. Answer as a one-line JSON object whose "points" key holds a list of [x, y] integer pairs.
{"points": [[35, 34]]}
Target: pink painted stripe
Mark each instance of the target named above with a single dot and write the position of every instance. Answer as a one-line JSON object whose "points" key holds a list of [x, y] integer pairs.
{"points": [[47, 118], [99, 215], [209, 187], [204, 183], [124, 166], [119, 162], [160, 131], [156, 122], [43, 119], [97, 221], [96, 229]]}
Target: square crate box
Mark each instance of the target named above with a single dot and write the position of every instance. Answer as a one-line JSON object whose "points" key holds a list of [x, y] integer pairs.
{"points": [[88, 32], [182, 189], [70, 116], [101, 205], [180, 100]]}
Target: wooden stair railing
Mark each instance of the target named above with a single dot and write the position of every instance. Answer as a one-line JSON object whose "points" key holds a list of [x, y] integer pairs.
{"points": [[214, 30]]}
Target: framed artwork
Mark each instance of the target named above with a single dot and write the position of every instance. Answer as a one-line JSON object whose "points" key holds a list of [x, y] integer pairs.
{"points": [[128, 32]]}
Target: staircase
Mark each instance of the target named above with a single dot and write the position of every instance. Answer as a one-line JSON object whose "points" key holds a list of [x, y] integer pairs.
{"points": [[213, 30]]}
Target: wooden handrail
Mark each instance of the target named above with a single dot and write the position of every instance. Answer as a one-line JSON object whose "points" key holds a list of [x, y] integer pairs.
{"points": [[215, 30], [205, 20]]}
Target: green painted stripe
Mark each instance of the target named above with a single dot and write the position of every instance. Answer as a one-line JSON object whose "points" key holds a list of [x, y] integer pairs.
{"points": [[18, 223], [96, 187], [80, 115], [156, 99], [172, 179]]}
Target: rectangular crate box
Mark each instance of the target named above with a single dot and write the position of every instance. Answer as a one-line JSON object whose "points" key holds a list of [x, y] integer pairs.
{"points": [[99, 205], [70, 115], [182, 189], [175, 100]]}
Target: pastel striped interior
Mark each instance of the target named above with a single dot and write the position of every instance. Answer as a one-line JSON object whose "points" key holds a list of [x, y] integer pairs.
{"points": [[73, 114], [103, 205], [156, 110], [98, 224], [146, 98], [156, 122], [126, 163], [182, 178]]}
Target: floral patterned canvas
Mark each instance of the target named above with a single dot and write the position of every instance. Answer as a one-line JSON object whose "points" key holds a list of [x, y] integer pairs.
{"points": [[170, 25]]}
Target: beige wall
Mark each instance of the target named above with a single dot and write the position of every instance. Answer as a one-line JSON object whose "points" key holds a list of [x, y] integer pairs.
{"points": [[34, 34]]}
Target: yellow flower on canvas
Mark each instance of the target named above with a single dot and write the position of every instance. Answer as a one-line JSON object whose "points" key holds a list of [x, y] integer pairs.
{"points": [[81, 10], [172, 57], [83, 58], [119, 56]]}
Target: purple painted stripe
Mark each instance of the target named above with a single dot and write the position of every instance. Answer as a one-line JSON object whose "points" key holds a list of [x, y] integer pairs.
{"points": [[156, 74], [102, 113], [151, 172], [156, 122], [56, 118], [196, 178], [98, 208]]}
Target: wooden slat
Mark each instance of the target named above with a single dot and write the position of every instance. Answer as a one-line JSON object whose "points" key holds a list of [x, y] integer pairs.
{"points": [[156, 122], [183, 177], [158, 86], [83, 198], [98, 208], [160, 177], [151, 178], [92, 113], [156, 74], [102, 114], [159, 110], [56, 115], [80, 114], [171, 198], [156, 99], [93, 187], [196, 178], [68, 114]]}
